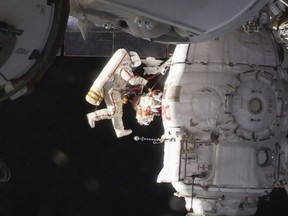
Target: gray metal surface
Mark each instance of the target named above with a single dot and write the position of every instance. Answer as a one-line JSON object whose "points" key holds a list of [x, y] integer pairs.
{"points": [[97, 44], [103, 43]]}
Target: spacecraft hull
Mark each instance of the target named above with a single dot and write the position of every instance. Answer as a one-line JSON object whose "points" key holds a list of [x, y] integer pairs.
{"points": [[223, 112], [166, 21], [31, 33]]}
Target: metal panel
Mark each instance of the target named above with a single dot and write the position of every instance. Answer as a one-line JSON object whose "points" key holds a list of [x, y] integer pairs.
{"points": [[144, 48], [97, 44], [103, 43], [205, 19]]}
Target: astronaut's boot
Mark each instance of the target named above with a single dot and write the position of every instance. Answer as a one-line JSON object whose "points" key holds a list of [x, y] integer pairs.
{"points": [[91, 119], [122, 133]]}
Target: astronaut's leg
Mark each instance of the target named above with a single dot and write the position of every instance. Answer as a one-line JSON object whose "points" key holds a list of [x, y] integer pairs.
{"points": [[119, 127], [113, 102], [110, 98], [113, 111], [117, 121], [91, 119]]}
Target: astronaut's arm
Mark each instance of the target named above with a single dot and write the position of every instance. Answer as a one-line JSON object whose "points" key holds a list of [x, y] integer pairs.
{"points": [[137, 80], [131, 79]]}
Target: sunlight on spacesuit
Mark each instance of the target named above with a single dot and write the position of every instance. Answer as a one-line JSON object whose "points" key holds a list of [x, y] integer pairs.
{"points": [[109, 85]]}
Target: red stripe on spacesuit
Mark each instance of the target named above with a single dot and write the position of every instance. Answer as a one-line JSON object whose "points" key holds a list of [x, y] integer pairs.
{"points": [[131, 75], [114, 110], [117, 66]]}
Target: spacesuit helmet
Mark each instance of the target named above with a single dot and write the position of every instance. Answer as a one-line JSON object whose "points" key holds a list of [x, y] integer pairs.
{"points": [[136, 62]]}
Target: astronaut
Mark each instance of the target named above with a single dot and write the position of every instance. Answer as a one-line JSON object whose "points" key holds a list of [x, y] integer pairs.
{"points": [[109, 85]]}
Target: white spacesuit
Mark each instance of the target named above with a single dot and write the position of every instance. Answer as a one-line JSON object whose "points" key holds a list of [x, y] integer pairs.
{"points": [[111, 82]]}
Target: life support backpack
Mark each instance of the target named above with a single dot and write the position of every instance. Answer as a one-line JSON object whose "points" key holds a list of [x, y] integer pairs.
{"points": [[120, 58]]}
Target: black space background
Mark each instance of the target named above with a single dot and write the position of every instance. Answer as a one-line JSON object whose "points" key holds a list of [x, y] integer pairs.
{"points": [[61, 167]]}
